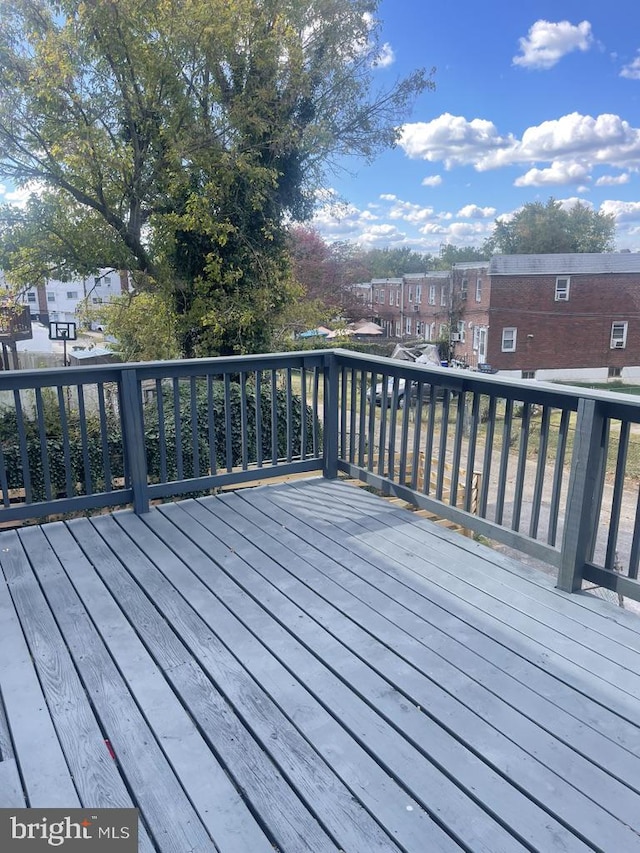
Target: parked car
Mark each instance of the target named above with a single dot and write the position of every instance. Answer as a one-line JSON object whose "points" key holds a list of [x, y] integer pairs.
{"points": [[402, 389]]}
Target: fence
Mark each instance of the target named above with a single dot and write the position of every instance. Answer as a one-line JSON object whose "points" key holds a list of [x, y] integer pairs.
{"points": [[542, 468]]}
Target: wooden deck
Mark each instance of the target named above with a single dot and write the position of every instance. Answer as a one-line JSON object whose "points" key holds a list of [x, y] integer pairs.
{"points": [[304, 667]]}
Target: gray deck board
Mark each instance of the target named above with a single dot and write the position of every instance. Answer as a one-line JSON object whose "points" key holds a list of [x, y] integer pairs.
{"points": [[304, 667], [524, 768]]}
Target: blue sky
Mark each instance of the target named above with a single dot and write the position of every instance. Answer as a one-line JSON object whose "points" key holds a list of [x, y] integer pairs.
{"points": [[532, 100]]}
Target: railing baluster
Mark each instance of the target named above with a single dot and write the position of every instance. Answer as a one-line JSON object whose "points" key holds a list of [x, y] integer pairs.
{"points": [[274, 418], [393, 423], [177, 421], [634, 557], [315, 406], [457, 447], [618, 490], [522, 466], [372, 423], [133, 439], [84, 440], [104, 438], [353, 413], [289, 416], [363, 418], [228, 424], [162, 437], [4, 482], [442, 450], [195, 449], [211, 426], [382, 451], [344, 406], [558, 471], [24, 451], [66, 449], [543, 444], [259, 418], [488, 456], [44, 451], [428, 451], [417, 430], [504, 460], [244, 449], [404, 433], [471, 452], [303, 412]]}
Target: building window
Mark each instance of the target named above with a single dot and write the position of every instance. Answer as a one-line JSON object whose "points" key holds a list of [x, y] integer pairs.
{"points": [[97, 300], [410, 294], [382, 297], [107, 280], [432, 332], [432, 294], [614, 372], [509, 339], [31, 297], [51, 297], [619, 335], [398, 329], [476, 337], [562, 289], [398, 298], [418, 327], [375, 295], [461, 332], [479, 290], [528, 374], [443, 330], [418, 293], [443, 296], [464, 288], [72, 294], [407, 325]]}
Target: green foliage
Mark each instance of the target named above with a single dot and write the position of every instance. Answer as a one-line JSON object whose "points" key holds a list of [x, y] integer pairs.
{"points": [[169, 427], [145, 326], [177, 137], [549, 229], [450, 255]]}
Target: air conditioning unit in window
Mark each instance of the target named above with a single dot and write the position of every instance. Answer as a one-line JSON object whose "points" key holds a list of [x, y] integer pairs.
{"points": [[618, 344], [456, 337]]}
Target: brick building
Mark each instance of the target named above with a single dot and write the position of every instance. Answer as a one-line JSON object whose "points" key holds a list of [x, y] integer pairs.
{"points": [[565, 316]]}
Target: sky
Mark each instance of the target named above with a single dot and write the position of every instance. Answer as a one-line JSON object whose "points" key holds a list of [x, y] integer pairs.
{"points": [[532, 100]]}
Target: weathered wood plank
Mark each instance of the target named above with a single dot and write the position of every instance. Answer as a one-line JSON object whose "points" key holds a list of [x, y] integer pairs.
{"points": [[11, 793], [292, 827], [44, 770], [522, 766], [589, 654], [421, 776], [160, 798], [219, 805], [369, 783]]}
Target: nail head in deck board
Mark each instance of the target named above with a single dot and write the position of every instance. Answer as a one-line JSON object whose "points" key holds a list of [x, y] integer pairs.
{"points": [[364, 777], [219, 805], [160, 799], [523, 768], [460, 643], [255, 773], [462, 816]]}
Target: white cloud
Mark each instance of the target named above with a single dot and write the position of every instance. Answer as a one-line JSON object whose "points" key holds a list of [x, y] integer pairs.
{"points": [[612, 180], [472, 211], [383, 234], [632, 70], [558, 174], [624, 211], [432, 181], [385, 57], [452, 139], [408, 211], [546, 43]]}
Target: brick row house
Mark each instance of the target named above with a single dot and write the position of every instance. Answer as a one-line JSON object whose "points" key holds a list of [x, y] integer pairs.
{"points": [[564, 316]]}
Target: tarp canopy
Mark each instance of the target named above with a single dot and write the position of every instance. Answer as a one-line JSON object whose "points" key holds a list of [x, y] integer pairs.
{"points": [[320, 332]]}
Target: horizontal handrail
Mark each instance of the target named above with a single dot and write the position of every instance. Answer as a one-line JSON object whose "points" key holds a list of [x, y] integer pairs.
{"points": [[537, 466]]}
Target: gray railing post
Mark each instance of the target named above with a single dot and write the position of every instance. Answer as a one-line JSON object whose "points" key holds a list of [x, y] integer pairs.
{"points": [[330, 468], [133, 428], [583, 505]]}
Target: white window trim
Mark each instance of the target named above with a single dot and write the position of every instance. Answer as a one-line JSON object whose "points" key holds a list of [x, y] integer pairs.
{"points": [[617, 341], [514, 341], [562, 294], [443, 296], [382, 297], [407, 325], [478, 290], [419, 293], [432, 294]]}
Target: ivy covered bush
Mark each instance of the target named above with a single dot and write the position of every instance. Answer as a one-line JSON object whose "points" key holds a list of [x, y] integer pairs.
{"points": [[94, 447]]}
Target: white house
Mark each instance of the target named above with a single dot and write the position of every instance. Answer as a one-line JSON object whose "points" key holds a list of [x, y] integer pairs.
{"points": [[59, 300]]}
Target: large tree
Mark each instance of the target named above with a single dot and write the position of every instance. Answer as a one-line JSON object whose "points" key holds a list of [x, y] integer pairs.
{"points": [[176, 137], [550, 229]]}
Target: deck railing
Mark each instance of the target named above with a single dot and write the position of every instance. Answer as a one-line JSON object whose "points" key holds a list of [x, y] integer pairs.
{"points": [[542, 468]]}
